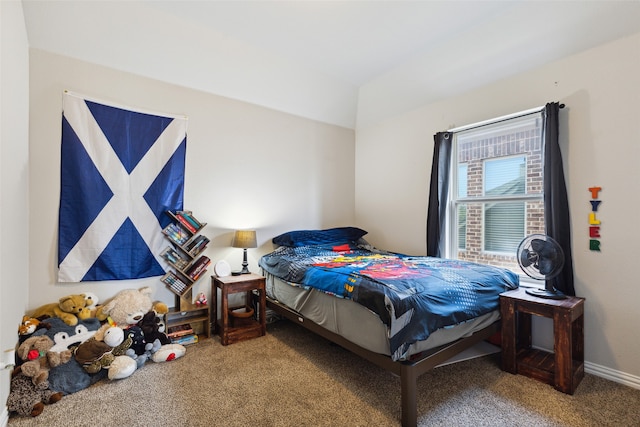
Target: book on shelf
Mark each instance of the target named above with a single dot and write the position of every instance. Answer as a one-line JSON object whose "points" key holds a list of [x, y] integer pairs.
{"points": [[188, 215], [186, 223], [174, 258], [198, 267], [185, 339], [174, 283], [197, 244], [176, 234], [179, 330]]}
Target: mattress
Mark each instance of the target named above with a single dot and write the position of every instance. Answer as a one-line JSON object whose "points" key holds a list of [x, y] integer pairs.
{"points": [[357, 323]]}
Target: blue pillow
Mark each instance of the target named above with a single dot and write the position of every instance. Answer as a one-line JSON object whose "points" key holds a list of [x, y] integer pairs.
{"points": [[332, 236]]}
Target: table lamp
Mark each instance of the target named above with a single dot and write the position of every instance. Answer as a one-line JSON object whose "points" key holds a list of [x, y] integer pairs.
{"points": [[244, 239]]}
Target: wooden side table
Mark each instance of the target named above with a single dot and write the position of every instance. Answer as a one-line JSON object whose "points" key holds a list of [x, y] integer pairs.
{"points": [[563, 369], [253, 327]]}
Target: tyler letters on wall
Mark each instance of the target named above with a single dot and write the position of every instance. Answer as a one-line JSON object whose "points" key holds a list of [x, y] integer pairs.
{"points": [[594, 222]]}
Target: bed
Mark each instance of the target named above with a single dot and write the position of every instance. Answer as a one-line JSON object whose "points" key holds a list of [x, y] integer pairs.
{"points": [[406, 314]]}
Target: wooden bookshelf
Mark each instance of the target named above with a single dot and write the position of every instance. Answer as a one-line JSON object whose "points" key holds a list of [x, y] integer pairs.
{"points": [[187, 267]]}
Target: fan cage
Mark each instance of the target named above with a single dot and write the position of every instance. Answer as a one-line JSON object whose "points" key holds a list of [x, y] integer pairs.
{"points": [[540, 257]]}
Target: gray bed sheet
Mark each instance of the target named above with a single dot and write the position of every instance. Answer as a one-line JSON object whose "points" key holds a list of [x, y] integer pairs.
{"points": [[357, 323]]}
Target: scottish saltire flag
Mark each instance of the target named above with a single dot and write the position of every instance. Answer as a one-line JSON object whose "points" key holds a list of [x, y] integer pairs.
{"points": [[120, 171]]}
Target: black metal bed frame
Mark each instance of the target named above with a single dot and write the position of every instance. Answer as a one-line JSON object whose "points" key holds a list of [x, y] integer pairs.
{"points": [[408, 371]]}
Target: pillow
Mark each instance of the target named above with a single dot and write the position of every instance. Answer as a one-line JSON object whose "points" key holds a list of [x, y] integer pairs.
{"points": [[332, 236]]}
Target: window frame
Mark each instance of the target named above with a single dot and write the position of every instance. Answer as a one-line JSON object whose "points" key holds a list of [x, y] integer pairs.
{"points": [[454, 201]]}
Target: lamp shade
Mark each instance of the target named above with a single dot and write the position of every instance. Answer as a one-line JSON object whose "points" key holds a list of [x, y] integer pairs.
{"points": [[245, 239]]}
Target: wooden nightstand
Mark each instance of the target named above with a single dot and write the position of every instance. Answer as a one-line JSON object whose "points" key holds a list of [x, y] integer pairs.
{"points": [[563, 369], [255, 326]]}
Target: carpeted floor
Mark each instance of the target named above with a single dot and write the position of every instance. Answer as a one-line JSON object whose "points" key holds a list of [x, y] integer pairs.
{"points": [[294, 378]]}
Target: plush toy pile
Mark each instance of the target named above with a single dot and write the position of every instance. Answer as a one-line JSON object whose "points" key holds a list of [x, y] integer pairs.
{"points": [[67, 346]]}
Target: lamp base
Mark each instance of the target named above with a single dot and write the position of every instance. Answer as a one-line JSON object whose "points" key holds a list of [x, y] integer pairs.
{"points": [[245, 264], [236, 273]]}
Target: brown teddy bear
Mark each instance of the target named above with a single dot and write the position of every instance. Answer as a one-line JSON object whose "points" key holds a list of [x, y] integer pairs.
{"points": [[34, 351], [67, 309]]}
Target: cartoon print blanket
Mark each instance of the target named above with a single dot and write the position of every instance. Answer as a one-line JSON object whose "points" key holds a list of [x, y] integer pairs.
{"points": [[412, 295]]}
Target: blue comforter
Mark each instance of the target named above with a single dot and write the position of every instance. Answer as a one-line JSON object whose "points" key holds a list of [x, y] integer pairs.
{"points": [[413, 296]]}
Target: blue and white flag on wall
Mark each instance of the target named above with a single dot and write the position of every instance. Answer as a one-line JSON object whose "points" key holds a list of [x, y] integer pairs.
{"points": [[120, 171]]}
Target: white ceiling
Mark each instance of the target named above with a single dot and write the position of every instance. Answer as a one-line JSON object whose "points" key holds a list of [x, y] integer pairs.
{"points": [[327, 59]]}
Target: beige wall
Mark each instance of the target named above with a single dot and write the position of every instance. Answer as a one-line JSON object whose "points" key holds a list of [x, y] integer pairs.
{"points": [[599, 131], [14, 156], [246, 167]]}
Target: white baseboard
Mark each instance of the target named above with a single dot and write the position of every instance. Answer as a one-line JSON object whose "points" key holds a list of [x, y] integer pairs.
{"points": [[613, 375], [4, 417], [484, 348], [607, 373]]}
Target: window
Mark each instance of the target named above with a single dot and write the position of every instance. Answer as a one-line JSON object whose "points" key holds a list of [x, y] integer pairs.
{"points": [[497, 194]]}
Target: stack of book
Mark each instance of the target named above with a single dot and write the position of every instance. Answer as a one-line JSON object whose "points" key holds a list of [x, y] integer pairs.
{"points": [[176, 234], [187, 219], [174, 258], [198, 267], [182, 334], [175, 284], [197, 245]]}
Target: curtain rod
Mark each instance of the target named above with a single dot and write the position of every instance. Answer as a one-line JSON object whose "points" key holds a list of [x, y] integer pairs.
{"points": [[499, 119]]}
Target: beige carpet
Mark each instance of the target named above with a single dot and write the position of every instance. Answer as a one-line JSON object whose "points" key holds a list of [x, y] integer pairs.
{"points": [[294, 378]]}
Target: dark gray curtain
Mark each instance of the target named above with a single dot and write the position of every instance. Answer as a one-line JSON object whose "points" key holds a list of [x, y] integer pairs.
{"points": [[556, 204], [438, 193]]}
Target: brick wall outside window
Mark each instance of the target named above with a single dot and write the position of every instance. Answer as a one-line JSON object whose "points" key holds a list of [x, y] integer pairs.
{"points": [[474, 153]]}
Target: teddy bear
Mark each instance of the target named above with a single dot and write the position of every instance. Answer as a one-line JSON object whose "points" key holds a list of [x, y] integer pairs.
{"points": [[91, 306], [28, 399], [66, 309], [90, 300], [128, 306], [38, 359]]}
